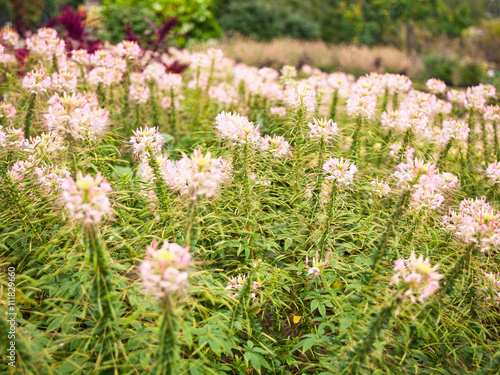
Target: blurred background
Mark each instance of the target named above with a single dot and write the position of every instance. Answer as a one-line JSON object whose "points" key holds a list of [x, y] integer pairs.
{"points": [[457, 41]]}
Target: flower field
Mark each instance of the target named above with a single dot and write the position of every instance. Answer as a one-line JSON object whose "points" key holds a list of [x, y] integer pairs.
{"points": [[183, 214]]}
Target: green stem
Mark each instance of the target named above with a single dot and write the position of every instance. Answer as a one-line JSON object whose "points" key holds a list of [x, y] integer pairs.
{"points": [[173, 117], [361, 352], [379, 251], [443, 153], [29, 116], [167, 353], [328, 218], [333, 106], [188, 238], [102, 287], [355, 137]]}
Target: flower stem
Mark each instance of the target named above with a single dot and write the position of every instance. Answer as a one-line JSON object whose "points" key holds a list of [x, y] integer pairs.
{"points": [[29, 116], [333, 106], [379, 251], [442, 155], [328, 218], [167, 352]]}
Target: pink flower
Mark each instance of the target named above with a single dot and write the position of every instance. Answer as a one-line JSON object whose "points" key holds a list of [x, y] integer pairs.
{"points": [[275, 145], [236, 284], [475, 222], [138, 94], [163, 270], [317, 265], [86, 198], [419, 277], [493, 172], [77, 115], [36, 82], [146, 141], [237, 129], [128, 49], [323, 128], [436, 86], [300, 97], [380, 188], [278, 111], [341, 171], [361, 106]]}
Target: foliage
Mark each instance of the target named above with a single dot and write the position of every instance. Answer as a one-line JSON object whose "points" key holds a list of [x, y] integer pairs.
{"points": [[196, 18], [263, 21], [214, 222]]}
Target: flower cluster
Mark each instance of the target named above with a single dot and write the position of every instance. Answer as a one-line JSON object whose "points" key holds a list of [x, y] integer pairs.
{"points": [[77, 115], [380, 188], [475, 222], [235, 286], [427, 184], [276, 145], [86, 198], [491, 288], [317, 265], [146, 141], [418, 276], [339, 170], [164, 270], [237, 129], [323, 128], [493, 172]]}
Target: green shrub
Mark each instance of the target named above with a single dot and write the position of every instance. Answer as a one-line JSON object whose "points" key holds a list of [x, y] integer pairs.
{"points": [[262, 21], [196, 18], [472, 73], [440, 67], [115, 19]]}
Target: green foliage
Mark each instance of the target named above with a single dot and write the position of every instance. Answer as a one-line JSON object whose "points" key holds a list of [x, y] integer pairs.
{"points": [[262, 21], [115, 18], [440, 67], [471, 73], [196, 17]]}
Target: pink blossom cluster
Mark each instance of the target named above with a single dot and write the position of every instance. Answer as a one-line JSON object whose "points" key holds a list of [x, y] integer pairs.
{"points": [[317, 265], [491, 113], [475, 222], [361, 106], [493, 172], [164, 270], [146, 141], [340, 171], [198, 175], [11, 138], [104, 76], [436, 86], [427, 184], [491, 288], [37, 81], [128, 49], [224, 94], [77, 115], [52, 178], [453, 129], [276, 145], [46, 146], [7, 111], [235, 286], [380, 188], [45, 44], [300, 97], [418, 276], [86, 198], [237, 129], [323, 128]]}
